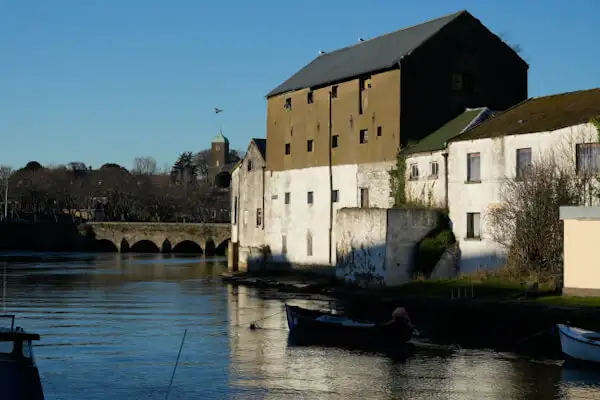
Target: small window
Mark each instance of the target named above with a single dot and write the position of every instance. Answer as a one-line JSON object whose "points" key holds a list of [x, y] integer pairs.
{"points": [[523, 163], [364, 198], [288, 149], [334, 141], [213, 213], [414, 171], [473, 225], [288, 103], [587, 158], [283, 244], [309, 97], [334, 92], [249, 165], [434, 169], [286, 198], [309, 145], [473, 167], [235, 210], [379, 131], [309, 244], [258, 217], [335, 196], [309, 197], [364, 136]]}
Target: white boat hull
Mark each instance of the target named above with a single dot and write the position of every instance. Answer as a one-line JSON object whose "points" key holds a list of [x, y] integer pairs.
{"points": [[579, 344]]}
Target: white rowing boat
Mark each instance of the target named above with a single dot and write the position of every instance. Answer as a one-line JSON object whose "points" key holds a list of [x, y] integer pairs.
{"points": [[579, 344]]}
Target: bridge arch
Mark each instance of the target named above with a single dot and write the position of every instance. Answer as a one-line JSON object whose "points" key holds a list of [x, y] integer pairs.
{"points": [[221, 249], [188, 246], [145, 246], [105, 246]]}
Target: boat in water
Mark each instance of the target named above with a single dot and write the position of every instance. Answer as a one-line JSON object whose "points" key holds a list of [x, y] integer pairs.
{"points": [[19, 375], [579, 344], [327, 328]]}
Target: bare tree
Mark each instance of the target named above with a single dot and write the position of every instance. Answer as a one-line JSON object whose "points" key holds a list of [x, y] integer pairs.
{"points": [[145, 166], [5, 173], [202, 162]]}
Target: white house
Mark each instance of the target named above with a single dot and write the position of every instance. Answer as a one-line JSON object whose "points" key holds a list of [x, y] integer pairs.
{"points": [[482, 158], [426, 160], [248, 186]]}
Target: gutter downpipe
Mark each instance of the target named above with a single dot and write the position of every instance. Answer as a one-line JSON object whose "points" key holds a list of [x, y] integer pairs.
{"points": [[445, 155], [330, 186]]}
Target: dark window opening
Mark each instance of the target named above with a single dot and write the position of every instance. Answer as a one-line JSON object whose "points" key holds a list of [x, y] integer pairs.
{"points": [[334, 141], [258, 217], [309, 97], [309, 197], [249, 165], [286, 198], [364, 136], [334, 92], [473, 226], [288, 148], [523, 162], [235, 210], [309, 145], [335, 196], [364, 198], [288, 103], [379, 131]]}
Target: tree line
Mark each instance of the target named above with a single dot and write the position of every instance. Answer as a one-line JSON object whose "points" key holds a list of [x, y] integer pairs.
{"points": [[75, 191]]}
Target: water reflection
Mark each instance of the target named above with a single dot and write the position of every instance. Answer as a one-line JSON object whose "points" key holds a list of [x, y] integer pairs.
{"points": [[261, 362], [111, 326]]}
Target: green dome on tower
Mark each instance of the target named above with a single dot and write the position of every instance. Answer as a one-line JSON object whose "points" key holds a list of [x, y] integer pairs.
{"points": [[220, 138]]}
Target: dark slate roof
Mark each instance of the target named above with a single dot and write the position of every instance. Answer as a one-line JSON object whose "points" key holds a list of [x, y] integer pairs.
{"points": [[262, 147], [372, 55], [540, 114], [437, 140]]}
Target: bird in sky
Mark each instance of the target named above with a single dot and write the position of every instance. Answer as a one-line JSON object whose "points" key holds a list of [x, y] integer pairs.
{"points": [[218, 110]]}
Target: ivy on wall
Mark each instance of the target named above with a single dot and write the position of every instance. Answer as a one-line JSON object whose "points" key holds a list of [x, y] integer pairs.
{"points": [[596, 122], [398, 181]]}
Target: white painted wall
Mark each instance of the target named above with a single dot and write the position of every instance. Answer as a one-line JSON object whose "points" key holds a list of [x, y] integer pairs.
{"points": [[298, 219], [426, 189], [247, 186], [498, 163]]}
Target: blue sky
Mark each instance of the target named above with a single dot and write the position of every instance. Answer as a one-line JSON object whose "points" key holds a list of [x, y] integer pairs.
{"points": [[106, 81]]}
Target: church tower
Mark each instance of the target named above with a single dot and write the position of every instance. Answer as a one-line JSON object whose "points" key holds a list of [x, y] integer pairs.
{"points": [[219, 154]]}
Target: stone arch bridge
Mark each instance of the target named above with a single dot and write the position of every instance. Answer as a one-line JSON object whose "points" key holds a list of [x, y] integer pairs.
{"points": [[210, 239]]}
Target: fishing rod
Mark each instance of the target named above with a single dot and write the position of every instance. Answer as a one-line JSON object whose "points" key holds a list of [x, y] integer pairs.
{"points": [[175, 367]]}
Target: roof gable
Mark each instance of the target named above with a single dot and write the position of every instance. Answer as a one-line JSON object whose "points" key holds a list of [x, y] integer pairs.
{"points": [[437, 140], [261, 144], [540, 114], [380, 53]]}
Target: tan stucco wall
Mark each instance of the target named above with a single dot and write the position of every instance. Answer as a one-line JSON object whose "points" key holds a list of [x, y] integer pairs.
{"points": [[581, 266], [581, 262], [311, 121]]}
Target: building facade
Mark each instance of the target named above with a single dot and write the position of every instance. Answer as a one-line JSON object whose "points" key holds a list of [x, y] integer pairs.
{"points": [[481, 160], [335, 127], [248, 188]]}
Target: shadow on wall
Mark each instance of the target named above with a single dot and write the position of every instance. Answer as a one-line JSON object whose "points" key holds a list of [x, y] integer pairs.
{"points": [[473, 263]]}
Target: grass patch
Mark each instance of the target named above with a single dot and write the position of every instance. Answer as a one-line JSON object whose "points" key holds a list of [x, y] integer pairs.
{"points": [[570, 301]]}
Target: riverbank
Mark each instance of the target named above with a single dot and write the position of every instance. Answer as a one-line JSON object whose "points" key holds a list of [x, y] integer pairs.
{"points": [[492, 311]]}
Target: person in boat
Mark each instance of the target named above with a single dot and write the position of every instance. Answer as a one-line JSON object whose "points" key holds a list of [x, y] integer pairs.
{"points": [[400, 317]]}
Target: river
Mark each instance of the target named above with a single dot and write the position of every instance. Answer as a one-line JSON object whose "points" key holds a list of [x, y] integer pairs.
{"points": [[111, 326]]}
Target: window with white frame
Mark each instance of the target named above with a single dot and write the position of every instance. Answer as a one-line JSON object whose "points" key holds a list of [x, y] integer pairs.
{"points": [[523, 163], [434, 169], [414, 171], [473, 167], [473, 226], [587, 158]]}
